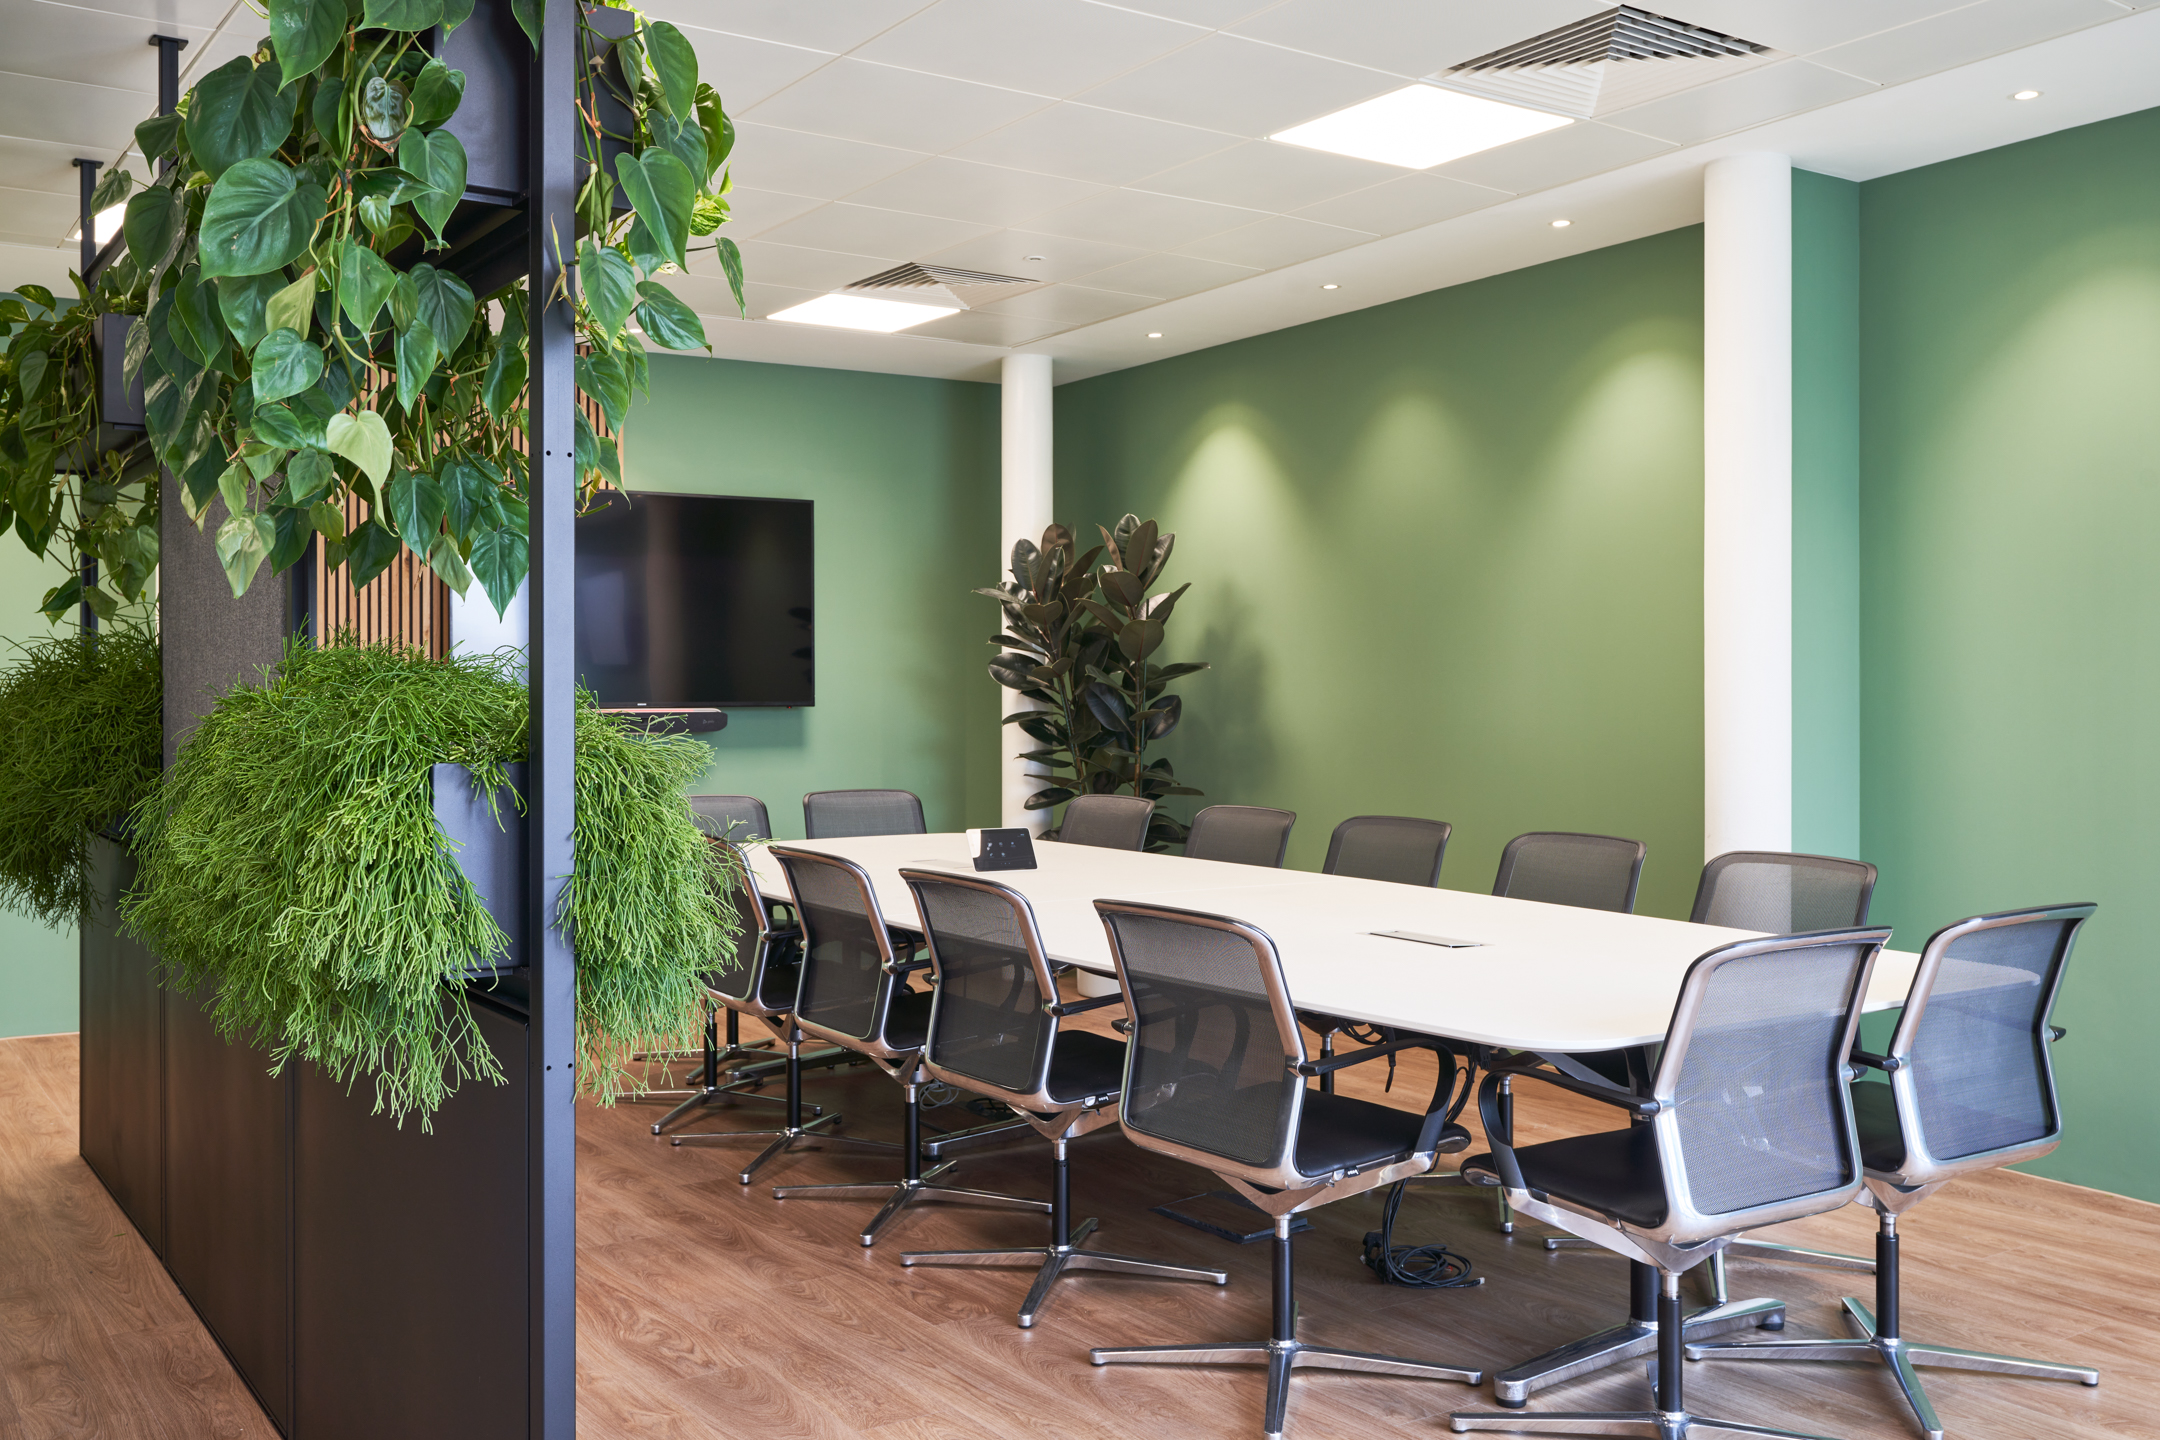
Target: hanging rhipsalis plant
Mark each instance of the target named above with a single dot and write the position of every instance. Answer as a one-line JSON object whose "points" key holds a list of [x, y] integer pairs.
{"points": [[1080, 640], [291, 860], [81, 739], [296, 343]]}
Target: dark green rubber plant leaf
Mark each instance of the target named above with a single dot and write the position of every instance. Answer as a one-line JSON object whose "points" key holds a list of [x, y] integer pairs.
{"points": [[667, 320], [238, 111], [304, 33], [260, 216], [662, 191], [285, 365]]}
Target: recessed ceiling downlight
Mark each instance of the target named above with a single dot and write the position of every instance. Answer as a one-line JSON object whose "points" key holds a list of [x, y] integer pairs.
{"points": [[858, 312], [1420, 126], [2026, 95]]}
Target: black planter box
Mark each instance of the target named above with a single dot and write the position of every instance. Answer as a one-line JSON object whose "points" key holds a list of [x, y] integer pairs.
{"points": [[490, 848]]}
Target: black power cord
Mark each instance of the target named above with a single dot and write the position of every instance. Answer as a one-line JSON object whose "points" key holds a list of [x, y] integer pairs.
{"points": [[1422, 1267]]}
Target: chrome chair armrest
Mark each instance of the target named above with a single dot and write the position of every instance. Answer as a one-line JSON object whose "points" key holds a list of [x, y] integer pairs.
{"points": [[1062, 1008]]}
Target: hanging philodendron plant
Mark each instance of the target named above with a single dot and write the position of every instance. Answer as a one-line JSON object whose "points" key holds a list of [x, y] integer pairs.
{"points": [[297, 343]]}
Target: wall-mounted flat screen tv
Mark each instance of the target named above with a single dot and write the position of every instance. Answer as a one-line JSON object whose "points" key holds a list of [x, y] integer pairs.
{"points": [[691, 601]]}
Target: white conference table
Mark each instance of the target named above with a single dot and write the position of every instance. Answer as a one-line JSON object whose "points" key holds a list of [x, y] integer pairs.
{"points": [[1543, 977]]}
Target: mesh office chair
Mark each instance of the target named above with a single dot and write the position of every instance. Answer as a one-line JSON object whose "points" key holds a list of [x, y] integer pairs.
{"points": [[1778, 894], [732, 817], [1594, 872], [997, 1030], [854, 994], [1215, 1076], [1388, 847], [1240, 834], [1111, 822], [1748, 1122], [837, 814], [763, 987], [1972, 1087]]}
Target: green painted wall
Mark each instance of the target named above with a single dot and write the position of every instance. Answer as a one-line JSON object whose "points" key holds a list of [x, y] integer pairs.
{"points": [[38, 966], [2011, 514], [1445, 554], [904, 472], [1826, 515]]}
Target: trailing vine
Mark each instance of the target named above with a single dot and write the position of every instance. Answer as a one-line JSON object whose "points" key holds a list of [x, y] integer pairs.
{"points": [[294, 345]]}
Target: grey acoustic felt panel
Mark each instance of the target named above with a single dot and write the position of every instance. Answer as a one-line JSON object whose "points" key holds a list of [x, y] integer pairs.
{"points": [[211, 641]]}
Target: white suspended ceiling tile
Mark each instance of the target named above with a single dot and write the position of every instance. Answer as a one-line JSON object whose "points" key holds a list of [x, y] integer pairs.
{"points": [[1034, 255], [805, 269], [1406, 37], [39, 217], [767, 157], [1210, 13], [1553, 158], [1086, 142], [752, 212], [1141, 219], [1747, 99], [1962, 36], [1415, 200], [1805, 26], [62, 42], [98, 119], [746, 71], [867, 230], [1276, 241], [1049, 47], [1241, 86], [1166, 277], [1266, 175], [830, 25], [883, 105], [979, 327], [169, 17], [706, 294], [43, 166], [1070, 304], [966, 190]]}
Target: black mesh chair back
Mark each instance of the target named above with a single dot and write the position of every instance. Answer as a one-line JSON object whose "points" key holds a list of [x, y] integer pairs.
{"points": [[1240, 834], [836, 814], [763, 978], [1781, 894], [732, 817], [1208, 1066], [1110, 822], [1388, 847], [1592, 872], [989, 1024], [847, 981], [1973, 1039], [1753, 1076]]}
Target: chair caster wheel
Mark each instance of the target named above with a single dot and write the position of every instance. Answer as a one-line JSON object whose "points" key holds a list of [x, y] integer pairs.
{"points": [[1775, 1322]]}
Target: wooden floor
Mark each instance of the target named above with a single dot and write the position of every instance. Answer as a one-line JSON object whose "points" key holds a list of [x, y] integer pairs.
{"points": [[712, 1312]]}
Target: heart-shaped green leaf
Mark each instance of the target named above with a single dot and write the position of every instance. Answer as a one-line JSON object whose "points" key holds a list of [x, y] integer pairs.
{"points": [[291, 531], [529, 15], [237, 112], [159, 137], [195, 319], [504, 384], [468, 497], [232, 485], [241, 299], [662, 191], [416, 507], [368, 553], [285, 365], [403, 14], [328, 520], [305, 32], [601, 375], [260, 215], [444, 560], [685, 140], [436, 91], [308, 477], [291, 307], [416, 358], [363, 439], [445, 177], [113, 187], [153, 224], [445, 305], [328, 111], [364, 283], [608, 284], [667, 320], [731, 266], [455, 13], [384, 109], [719, 129], [674, 64], [243, 543], [286, 426], [499, 559]]}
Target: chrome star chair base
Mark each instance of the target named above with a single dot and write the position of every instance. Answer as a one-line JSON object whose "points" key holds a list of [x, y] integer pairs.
{"points": [[712, 1089], [1976, 1020], [794, 1130]]}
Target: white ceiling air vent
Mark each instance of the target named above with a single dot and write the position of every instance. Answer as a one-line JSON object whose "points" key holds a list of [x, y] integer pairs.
{"points": [[936, 285], [1608, 62]]}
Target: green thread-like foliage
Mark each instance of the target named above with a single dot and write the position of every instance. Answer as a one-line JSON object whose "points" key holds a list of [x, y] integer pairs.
{"points": [[80, 743], [291, 858]]}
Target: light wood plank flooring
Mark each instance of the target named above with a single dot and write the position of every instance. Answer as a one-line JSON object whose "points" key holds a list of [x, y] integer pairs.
{"points": [[711, 1312]]}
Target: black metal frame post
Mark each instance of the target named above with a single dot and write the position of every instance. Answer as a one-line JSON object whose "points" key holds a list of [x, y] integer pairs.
{"points": [[86, 171], [551, 1124]]}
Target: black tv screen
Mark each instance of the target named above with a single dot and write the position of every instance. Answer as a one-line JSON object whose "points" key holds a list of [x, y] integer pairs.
{"points": [[695, 601]]}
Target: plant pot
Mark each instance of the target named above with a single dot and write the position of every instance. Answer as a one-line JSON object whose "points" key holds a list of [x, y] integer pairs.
{"points": [[490, 849]]}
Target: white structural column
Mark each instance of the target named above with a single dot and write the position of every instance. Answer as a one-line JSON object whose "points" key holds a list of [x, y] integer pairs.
{"points": [[1747, 504], [1026, 513]]}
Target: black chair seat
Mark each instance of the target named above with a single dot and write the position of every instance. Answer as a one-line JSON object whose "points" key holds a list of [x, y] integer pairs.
{"points": [[1615, 1172], [907, 1020], [1336, 1132], [1085, 1064]]}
